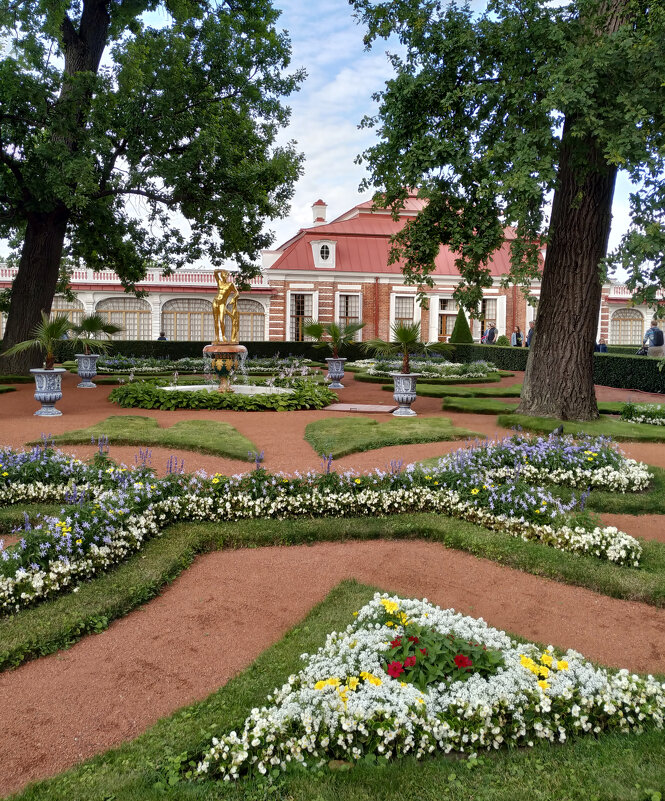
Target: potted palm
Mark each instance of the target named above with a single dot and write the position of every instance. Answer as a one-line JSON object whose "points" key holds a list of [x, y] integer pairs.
{"points": [[333, 336], [48, 379], [88, 332], [405, 341]]}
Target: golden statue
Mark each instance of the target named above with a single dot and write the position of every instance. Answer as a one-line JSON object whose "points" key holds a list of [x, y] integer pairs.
{"points": [[225, 302]]}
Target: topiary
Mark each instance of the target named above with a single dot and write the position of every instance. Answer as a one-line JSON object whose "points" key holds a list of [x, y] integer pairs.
{"points": [[502, 340], [461, 332]]}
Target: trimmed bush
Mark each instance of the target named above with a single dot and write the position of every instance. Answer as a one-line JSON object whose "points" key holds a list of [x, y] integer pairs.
{"points": [[461, 331], [506, 358]]}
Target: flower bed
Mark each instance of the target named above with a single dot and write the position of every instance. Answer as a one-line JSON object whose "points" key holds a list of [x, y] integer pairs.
{"points": [[651, 413], [151, 365], [117, 509], [407, 678], [305, 394], [427, 368]]}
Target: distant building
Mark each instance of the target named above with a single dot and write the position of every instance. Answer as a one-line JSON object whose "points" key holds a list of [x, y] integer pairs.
{"points": [[334, 270]]}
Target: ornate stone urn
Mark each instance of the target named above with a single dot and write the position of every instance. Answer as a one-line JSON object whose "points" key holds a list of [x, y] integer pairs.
{"points": [[87, 369], [335, 372], [226, 359], [404, 393], [48, 390]]}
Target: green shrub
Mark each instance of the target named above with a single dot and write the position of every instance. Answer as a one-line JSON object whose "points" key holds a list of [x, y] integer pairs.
{"points": [[628, 372], [461, 331], [502, 341], [142, 395], [506, 358]]}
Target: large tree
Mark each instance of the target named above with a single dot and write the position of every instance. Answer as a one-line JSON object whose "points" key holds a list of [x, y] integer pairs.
{"points": [[134, 146], [493, 116]]}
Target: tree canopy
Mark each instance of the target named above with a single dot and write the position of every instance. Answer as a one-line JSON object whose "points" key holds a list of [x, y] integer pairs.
{"points": [[475, 116], [135, 144]]}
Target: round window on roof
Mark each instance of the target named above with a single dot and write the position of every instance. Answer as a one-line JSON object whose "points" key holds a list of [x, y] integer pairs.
{"points": [[324, 252]]}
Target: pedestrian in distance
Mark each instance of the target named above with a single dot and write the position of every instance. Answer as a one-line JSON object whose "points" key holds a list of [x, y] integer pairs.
{"points": [[162, 336], [600, 346], [654, 340], [529, 334], [491, 334], [516, 337]]}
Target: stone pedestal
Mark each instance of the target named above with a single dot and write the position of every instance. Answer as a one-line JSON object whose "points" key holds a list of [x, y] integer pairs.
{"points": [[226, 358], [48, 390], [405, 393]]}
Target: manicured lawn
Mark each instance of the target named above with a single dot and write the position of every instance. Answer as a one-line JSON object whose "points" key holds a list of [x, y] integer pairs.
{"points": [[343, 435], [7, 389], [605, 426], [609, 767], [432, 391], [488, 405], [651, 502], [203, 436], [12, 516], [60, 622], [16, 379]]}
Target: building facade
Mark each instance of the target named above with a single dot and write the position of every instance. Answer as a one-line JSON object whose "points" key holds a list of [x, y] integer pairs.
{"points": [[330, 271]]}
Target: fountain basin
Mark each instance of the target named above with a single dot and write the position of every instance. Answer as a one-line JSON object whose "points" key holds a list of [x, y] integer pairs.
{"points": [[239, 389]]}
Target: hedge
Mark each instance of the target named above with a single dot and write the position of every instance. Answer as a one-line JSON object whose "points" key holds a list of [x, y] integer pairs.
{"points": [[609, 369]]}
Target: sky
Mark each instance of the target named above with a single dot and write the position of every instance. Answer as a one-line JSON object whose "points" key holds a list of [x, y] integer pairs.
{"points": [[342, 76]]}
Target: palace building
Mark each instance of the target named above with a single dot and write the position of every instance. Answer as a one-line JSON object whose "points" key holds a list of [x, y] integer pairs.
{"points": [[335, 270]]}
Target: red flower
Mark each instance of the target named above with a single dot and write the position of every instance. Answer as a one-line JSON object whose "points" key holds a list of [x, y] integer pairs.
{"points": [[463, 661], [396, 643], [423, 651], [410, 661], [395, 669], [414, 640]]}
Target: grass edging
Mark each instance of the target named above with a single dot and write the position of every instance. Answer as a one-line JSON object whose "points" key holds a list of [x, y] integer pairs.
{"points": [[150, 766], [64, 620], [619, 430]]}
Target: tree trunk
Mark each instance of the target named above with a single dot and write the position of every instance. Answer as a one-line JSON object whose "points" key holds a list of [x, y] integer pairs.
{"points": [[559, 374], [34, 286]]}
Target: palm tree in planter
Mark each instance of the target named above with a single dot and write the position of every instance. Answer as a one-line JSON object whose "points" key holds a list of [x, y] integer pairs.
{"points": [[48, 379], [405, 342], [88, 332], [333, 336]]}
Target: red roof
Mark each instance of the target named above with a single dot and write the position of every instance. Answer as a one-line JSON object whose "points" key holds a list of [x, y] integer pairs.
{"points": [[363, 236]]}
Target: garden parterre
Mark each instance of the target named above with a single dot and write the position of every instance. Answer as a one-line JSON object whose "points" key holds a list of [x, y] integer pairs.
{"points": [[356, 699], [149, 365], [117, 509], [651, 413]]}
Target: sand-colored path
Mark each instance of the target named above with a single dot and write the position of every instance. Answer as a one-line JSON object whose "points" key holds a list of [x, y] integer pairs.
{"points": [[231, 605]]}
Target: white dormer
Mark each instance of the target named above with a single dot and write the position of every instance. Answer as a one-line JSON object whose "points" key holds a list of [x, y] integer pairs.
{"points": [[323, 252]]}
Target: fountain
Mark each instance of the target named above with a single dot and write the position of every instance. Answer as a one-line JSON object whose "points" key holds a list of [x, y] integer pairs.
{"points": [[227, 355]]}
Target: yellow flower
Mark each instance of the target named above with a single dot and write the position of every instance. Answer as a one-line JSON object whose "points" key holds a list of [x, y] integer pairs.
{"points": [[544, 503], [403, 684], [546, 659], [371, 679], [589, 458], [420, 700], [475, 491], [436, 483], [352, 682], [428, 478], [543, 685], [389, 606], [355, 614], [537, 511], [357, 481], [544, 671], [333, 682], [78, 542], [5, 473], [215, 481], [320, 685], [562, 665], [110, 470], [353, 643], [389, 623]]}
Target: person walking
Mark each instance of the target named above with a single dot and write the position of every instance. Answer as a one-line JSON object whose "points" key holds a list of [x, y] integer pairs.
{"points": [[491, 334], [601, 346], [654, 340], [516, 337], [529, 334]]}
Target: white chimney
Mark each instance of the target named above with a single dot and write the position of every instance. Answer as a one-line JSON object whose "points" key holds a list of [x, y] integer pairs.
{"points": [[319, 212]]}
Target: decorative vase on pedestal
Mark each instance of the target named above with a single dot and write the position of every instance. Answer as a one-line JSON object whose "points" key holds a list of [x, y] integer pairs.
{"points": [[405, 393], [48, 390], [225, 359], [87, 369], [335, 372]]}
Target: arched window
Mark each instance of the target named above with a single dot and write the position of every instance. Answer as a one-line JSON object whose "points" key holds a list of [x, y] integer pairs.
{"points": [[134, 315], [74, 310], [188, 319], [252, 318], [627, 327]]}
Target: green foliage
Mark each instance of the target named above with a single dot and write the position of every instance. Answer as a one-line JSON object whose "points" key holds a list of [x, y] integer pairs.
{"points": [[185, 116], [333, 335], [202, 436], [628, 372], [478, 405], [7, 389], [89, 330], [505, 358], [340, 436], [502, 341], [474, 115], [140, 395], [16, 379], [46, 336], [513, 391], [461, 331], [405, 341]]}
